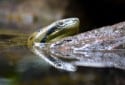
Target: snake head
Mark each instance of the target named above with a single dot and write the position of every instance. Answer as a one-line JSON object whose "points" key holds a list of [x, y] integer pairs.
{"points": [[55, 31], [49, 34]]}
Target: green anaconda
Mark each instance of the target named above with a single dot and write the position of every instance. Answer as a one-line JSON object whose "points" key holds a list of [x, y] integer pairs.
{"points": [[61, 46]]}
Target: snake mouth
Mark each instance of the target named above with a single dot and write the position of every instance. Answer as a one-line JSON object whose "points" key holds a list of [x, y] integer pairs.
{"points": [[31, 40]]}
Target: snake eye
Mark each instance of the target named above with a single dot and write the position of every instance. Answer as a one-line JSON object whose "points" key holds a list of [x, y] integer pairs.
{"points": [[60, 23]]}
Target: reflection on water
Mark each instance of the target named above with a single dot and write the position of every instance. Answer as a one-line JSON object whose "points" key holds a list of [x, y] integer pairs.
{"points": [[20, 66]]}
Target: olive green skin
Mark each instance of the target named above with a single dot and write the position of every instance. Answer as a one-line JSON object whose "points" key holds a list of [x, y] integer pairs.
{"points": [[55, 31]]}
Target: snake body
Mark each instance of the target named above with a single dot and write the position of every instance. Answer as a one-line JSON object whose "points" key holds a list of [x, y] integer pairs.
{"points": [[103, 47]]}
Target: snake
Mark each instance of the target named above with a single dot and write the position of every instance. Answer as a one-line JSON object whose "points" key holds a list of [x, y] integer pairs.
{"points": [[62, 47]]}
